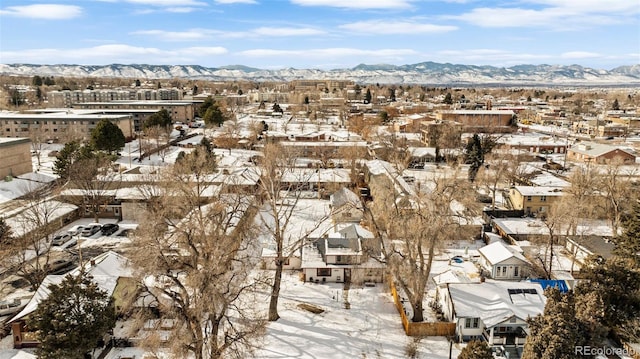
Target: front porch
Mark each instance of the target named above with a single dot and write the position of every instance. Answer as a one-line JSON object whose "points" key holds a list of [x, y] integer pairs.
{"points": [[505, 335]]}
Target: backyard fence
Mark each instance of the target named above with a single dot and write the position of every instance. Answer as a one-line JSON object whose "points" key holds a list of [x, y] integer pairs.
{"points": [[422, 329]]}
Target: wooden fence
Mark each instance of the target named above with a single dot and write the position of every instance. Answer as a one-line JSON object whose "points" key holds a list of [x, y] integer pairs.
{"points": [[422, 329]]}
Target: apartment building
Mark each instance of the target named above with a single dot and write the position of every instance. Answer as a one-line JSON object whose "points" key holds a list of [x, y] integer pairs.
{"points": [[182, 111], [15, 158], [60, 124], [498, 121], [68, 98]]}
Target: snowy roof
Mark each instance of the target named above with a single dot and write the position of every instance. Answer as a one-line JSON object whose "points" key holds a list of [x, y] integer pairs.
{"points": [[593, 149], [497, 301], [105, 269], [497, 252], [538, 190], [527, 226], [422, 151], [16, 354], [344, 196], [19, 186], [33, 216]]}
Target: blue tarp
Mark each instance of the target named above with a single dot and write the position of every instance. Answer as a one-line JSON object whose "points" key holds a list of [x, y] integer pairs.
{"points": [[560, 284]]}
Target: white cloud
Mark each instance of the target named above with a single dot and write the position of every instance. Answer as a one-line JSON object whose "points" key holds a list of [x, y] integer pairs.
{"points": [[43, 11], [395, 27], [191, 35], [557, 15], [329, 52], [201, 34], [356, 4], [494, 57], [285, 31], [579, 55], [113, 53], [235, 1], [168, 3]]}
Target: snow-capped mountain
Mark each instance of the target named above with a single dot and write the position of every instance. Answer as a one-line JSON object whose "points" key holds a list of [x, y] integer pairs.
{"points": [[421, 73]]}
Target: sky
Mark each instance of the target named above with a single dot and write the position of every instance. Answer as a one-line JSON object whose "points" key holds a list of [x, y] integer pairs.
{"points": [[322, 34]]}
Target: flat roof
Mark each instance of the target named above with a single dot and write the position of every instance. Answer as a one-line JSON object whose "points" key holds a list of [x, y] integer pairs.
{"points": [[10, 141]]}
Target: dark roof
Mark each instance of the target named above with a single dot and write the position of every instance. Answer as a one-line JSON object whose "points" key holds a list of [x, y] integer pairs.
{"points": [[597, 245]]}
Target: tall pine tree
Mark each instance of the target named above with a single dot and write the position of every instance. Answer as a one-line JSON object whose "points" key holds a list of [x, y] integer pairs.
{"points": [[73, 318], [628, 243]]}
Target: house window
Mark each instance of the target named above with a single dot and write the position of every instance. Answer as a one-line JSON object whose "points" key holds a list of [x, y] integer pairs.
{"points": [[528, 198], [324, 272], [504, 270], [471, 322], [515, 271], [338, 259], [543, 198]]}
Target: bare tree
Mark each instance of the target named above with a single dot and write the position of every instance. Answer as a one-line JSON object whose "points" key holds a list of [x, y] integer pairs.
{"points": [[197, 262], [38, 139], [415, 225], [95, 178], [616, 188], [28, 253], [281, 195]]}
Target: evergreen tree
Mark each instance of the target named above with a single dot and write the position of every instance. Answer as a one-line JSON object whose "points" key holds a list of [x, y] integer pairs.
{"points": [[447, 99], [367, 96], [474, 155], [616, 105], [106, 136], [67, 156], [628, 243], [556, 333], [161, 119], [214, 116], [276, 108], [37, 81], [72, 319], [616, 284], [476, 349], [208, 102]]}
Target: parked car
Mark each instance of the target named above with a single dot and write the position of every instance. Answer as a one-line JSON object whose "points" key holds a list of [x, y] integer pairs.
{"points": [[61, 239], [75, 230], [90, 230], [109, 229]]}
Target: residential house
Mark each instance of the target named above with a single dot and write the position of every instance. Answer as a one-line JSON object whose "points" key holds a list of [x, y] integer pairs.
{"points": [[480, 120], [589, 246], [346, 206], [494, 311], [341, 257], [533, 200], [109, 271], [591, 152], [503, 262]]}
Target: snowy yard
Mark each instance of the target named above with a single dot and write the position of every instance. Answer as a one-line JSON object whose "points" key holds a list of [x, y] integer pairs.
{"points": [[371, 328]]}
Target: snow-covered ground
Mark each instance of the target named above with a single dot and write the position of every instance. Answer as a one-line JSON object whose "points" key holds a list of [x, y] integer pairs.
{"points": [[371, 328]]}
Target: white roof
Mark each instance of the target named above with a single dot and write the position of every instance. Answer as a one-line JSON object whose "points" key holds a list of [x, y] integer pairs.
{"points": [[497, 301], [104, 269], [498, 252], [539, 190]]}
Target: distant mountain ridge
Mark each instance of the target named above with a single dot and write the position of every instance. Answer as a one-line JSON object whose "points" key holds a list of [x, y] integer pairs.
{"points": [[421, 73]]}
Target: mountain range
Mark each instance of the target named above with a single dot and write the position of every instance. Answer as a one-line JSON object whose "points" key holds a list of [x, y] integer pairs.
{"points": [[426, 73]]}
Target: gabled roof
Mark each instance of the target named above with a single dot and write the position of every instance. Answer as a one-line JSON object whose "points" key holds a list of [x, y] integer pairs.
{"points": [[344, 196], [498, 252], [496, 301], [105, 270]]}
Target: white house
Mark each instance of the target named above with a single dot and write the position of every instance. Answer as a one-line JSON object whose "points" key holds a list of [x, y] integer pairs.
{"points": [[503, 262], [340, 257], [495, 311]]}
